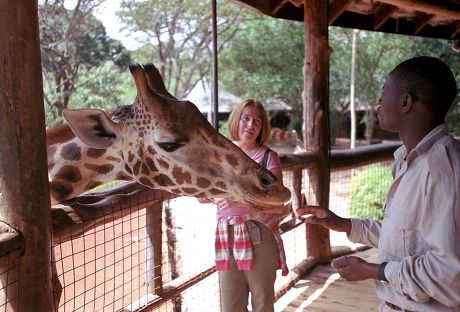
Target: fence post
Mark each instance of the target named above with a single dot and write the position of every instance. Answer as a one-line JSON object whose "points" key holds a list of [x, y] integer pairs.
{"points": [[315, 101], [24, 192], [153, 246]]}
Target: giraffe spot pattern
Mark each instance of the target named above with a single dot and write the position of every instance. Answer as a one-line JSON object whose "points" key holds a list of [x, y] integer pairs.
{"points": [[140, 152], [71, 151], [95, 152], [163, 164], [190, 190], [231, 160], [146, 182], [181, 176], [144, 169], [60, 190], [151, 150], [163, 180], [202, 183], [102, 169], [69, 173], [51, 151], [151, 165], [130, 157], [92, 184], [111, 158], [136, 168], [221, 185], [128, 169], [123, 176], [218, 157], [214, 191]]}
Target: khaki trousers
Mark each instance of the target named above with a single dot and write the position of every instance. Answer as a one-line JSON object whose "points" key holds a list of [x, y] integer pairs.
{"points": [[236, 285]]}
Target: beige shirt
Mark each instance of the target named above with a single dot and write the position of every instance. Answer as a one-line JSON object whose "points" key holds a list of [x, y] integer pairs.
{"points": [[419, 235]]}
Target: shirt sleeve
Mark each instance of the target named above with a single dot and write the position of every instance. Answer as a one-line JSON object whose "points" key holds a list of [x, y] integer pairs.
{"points": [[366, 232], [435, 273], [273, 160]]}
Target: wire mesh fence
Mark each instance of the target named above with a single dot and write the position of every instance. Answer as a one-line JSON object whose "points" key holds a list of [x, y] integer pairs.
{"points": [[157, 254]]}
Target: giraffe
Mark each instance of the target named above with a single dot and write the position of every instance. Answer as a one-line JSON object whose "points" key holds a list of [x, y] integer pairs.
{"points": [[160, 142]]}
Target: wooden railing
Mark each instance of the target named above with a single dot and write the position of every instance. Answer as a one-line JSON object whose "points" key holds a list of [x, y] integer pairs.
{"points": [[73, 218]]}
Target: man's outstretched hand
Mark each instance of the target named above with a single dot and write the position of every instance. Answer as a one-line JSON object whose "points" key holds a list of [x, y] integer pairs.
{"points": [[325, 218]]}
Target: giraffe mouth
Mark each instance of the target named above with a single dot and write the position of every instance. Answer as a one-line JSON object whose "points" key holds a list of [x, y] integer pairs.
{"points": [[266, 201]]}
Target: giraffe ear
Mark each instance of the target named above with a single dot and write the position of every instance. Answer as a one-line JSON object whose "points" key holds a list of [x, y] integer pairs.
{"points": [[92, 126], [155, 80]]}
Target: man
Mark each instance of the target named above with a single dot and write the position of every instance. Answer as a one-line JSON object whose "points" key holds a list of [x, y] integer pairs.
{"points": [[418, 239]]}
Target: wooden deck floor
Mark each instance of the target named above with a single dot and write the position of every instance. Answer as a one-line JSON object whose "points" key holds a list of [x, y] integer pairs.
{"points": [[322, 290]]}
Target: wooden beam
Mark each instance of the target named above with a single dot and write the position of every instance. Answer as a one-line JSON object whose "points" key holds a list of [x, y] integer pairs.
{"points": [[315, 130], [428, 7], [24, 188], [279, 6], [455, 29], [337, 8], [382, 15], [421, 21]]}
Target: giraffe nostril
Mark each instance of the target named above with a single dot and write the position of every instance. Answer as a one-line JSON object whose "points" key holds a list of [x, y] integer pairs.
{"points": [[267, 178]]}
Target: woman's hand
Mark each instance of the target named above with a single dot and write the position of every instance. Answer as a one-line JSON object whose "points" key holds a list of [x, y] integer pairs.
{"points": [[325, 218]]}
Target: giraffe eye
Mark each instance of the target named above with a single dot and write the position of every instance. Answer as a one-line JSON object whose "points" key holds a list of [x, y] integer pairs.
{"points": [[170, 146]]}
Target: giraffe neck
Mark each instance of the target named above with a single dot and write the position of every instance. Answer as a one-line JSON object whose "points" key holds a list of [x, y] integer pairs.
{"points": [[74, 168]]}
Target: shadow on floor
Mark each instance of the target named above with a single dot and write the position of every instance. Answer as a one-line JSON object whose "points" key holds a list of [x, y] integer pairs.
{"points": [[323, 290]]}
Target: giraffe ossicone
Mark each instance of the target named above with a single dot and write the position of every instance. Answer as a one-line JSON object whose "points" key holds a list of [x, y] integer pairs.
{"points": [[160, 142]]}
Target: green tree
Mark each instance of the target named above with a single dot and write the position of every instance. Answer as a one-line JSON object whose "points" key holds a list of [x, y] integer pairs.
{"points": [[377, 54], [447, 51], [177, 36], [265, 60], [72, 39]]}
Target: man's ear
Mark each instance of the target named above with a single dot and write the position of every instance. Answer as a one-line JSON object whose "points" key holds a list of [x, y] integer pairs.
{"points": [[407, 103]]}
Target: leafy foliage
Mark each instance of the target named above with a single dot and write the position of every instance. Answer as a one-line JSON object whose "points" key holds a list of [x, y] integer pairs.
{"points": [[368, 190], [177, 36], [264, 60], [72, 40]]}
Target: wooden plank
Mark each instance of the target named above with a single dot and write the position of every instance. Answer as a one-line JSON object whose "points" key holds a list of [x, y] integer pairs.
{"points": [[323, 290], [421, 21], [455, 29], [442, 8], [383, 14], [337, 8]]}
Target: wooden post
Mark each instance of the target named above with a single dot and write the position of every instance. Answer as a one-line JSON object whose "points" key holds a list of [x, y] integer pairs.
{"points": [[315, 110], [154, 247], [24, 192]]}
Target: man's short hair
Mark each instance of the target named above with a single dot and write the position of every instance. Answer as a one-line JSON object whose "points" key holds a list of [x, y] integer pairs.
{"points": [[428, 80]]}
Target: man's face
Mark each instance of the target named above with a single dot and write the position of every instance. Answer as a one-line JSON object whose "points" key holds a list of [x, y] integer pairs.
{"points": [[389, 105]]}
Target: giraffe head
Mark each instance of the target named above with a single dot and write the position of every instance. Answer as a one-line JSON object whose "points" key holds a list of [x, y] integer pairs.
{"points": [[165, 143]]}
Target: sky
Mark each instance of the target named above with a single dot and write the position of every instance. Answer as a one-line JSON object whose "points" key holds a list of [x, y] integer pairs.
{"points": [[106, 13]]}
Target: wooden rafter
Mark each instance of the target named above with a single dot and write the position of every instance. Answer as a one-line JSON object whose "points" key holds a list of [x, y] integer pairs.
{"points": [[337, 8], [383, 14], [429, 7], [421, 21], [279, 6], [455, 29]]}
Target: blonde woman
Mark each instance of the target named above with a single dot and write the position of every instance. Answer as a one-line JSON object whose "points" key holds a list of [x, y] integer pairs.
{"points": [[249, 249]]}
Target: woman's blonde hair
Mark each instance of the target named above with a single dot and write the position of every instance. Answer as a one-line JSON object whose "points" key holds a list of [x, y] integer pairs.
{"points": [[235, 115]]}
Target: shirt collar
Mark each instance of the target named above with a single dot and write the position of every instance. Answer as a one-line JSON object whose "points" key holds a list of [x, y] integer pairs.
{"points": [[424, 145]]}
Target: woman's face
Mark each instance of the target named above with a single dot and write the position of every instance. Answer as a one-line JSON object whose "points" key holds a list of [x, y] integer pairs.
{"points": [[250, 124]]}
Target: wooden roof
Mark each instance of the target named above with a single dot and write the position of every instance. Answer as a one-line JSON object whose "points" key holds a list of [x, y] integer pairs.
{"points": [[425, 18]]}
